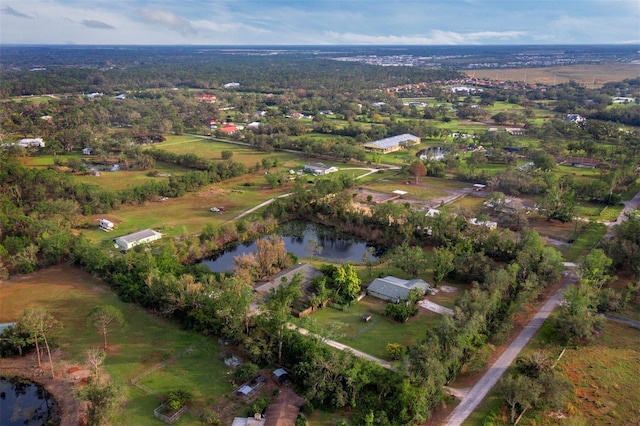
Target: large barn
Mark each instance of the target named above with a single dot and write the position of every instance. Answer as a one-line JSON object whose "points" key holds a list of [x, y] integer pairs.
{"points": [[391, 144]]}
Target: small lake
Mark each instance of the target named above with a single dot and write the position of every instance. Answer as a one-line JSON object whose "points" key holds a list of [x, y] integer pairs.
{"points": [[23, 402], [296, 236]]}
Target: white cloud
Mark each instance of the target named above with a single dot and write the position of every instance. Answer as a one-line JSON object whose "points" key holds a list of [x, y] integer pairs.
{"points": [[436, 37], [166, 19]]}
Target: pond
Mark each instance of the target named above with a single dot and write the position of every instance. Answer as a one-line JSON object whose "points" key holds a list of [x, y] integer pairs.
{"points": [[23, 402], [297, 237]]}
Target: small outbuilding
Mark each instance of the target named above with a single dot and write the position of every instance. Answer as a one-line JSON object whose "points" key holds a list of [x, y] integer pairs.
{"points": [[145, 236], [281, 376]]}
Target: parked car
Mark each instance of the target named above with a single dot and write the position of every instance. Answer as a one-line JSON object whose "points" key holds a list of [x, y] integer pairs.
{"points": [[215, 209]]}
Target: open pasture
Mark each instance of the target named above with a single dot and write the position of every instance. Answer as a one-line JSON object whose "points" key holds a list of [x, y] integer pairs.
{"points": [[213, 150], [145, 341], [587, 75], [372, 337], [190, 213]]}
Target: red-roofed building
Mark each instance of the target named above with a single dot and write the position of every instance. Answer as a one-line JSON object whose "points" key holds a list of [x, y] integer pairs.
{"points": [[228, 128]]}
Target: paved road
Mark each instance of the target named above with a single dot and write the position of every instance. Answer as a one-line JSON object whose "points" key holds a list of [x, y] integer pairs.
{"points": [[627, 321], [491, 377]]}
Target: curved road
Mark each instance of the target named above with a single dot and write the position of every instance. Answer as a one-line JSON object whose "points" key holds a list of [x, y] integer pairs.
{"points": [[491, 377]]}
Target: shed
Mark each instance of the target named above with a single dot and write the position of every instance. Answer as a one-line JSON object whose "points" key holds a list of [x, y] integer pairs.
{"points": [[145, 236], [281, 376], [395, 289]]}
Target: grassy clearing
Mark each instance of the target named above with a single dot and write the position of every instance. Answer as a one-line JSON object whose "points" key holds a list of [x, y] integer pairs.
{"points": [[587, 75], [69, 294], [587, 239], [414, 191], [190, 213], [372, 337], [213, 150], [125, 178]]}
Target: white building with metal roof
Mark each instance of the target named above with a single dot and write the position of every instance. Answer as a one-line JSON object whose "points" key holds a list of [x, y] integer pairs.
{"points": [[145, 236], [391, 144]]}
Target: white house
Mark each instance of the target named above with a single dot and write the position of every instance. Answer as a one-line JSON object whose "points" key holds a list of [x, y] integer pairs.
{"points": [[145, 236], [319, 168]]}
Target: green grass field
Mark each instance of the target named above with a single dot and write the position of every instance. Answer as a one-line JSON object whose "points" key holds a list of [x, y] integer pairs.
{"points": [[213, 150], [69, 294], [372, 337], [190, 213]]}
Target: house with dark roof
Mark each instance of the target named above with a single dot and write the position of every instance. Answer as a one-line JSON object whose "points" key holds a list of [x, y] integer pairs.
{"points": [[395, 289], [391, 144]]}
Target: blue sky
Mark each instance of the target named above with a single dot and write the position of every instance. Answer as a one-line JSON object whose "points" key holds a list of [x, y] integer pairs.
{"points": [[318, 22]]}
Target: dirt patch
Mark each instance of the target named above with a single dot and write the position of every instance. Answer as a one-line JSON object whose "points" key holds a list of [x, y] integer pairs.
{"points": [[212, 192], [63, 387]]}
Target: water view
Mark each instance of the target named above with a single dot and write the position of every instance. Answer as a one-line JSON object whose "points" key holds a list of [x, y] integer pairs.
{"points": [[23, 402], [297, 238]]}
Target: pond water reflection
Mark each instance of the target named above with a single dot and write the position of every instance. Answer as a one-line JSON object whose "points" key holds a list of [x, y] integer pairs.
{"points": [[297, 237], [23, 402]]}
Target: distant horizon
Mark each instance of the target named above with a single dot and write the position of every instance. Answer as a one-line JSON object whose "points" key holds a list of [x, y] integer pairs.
{"points": [[321, 45], [320, 22]]}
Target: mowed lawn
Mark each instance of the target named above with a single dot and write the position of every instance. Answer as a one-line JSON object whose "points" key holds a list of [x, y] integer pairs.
{"points": [[146, 340], [213, 150], [372, 337]]}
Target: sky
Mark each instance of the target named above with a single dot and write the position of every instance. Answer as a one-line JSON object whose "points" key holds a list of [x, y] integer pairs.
{"points": [[319, 22]]}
